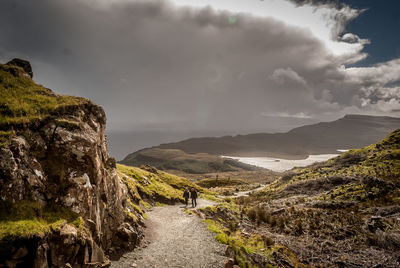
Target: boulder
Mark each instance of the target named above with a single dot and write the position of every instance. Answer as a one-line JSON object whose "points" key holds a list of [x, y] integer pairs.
{"points": [[69, 234], [126, 232], [25, 65]]}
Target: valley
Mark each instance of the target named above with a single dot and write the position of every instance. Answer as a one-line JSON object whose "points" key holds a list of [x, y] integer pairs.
{"points": [[65, 202], [199, 134]]}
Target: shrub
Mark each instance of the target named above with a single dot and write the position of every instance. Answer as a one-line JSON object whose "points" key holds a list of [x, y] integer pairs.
{"points": [[233, 226], [281, 223], [272, 221], [298, 227], [268, 241], [252, 214], [262, 214]]}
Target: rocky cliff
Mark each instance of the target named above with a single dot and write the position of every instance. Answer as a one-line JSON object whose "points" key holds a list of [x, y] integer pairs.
{"points": [[62, 201]]}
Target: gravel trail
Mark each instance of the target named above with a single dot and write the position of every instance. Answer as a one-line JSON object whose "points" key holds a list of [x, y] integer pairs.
{"points": [[176, 239]]}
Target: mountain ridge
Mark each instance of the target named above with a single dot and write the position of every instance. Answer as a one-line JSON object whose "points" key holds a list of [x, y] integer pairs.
{"points": [[350, 132], [369, 129]]}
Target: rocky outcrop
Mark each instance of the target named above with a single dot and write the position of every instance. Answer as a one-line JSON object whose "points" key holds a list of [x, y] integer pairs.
{"points": [[62, 161], [25, 65]]}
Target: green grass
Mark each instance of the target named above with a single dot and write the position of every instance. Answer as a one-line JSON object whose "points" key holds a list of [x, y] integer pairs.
{"points": [[4, 137], [381, 160], [219, 230], [131, 215], [211, 197], [23, 101], [144, 204], [244, 247], [158, 187], [26, 219], [137, 208]]}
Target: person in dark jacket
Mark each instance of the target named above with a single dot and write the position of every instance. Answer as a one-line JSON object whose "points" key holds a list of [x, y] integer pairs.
{"points": [[186, 195], [193, 195]]}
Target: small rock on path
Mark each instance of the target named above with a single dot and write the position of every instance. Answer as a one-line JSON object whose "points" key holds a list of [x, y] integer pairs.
{"points": [[176, 239]]}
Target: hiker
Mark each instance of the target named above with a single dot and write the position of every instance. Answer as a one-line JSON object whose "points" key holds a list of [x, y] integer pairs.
{"points": [[193, 195], [186, 196]]}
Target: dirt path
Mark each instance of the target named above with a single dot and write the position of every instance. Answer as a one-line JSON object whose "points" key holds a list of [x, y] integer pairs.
{"points": [[176, 239]]}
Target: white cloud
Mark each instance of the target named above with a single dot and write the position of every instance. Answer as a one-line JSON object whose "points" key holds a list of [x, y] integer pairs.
{"points": [[299, 115], [382, 73], [283, 76]]}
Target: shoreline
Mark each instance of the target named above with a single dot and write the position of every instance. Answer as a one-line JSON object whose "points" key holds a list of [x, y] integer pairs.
{"points": [[280, 164]]}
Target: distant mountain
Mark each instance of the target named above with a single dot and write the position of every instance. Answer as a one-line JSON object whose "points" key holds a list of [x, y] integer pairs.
{"points": [[177, 160], [349, 132]]}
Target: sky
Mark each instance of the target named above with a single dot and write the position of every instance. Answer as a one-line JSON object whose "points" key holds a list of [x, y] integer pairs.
{"points": [[169, 70]]}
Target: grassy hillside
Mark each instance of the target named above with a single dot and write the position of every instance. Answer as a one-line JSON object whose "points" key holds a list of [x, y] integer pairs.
{"points": [[339, 213], [381, 160], [177, 160], [154, 185], [23, 102]]}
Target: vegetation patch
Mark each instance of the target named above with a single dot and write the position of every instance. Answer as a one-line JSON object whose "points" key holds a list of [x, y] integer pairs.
{"points": [[27, 219], [156, 186], [5, 137], [246, 247], [329, 214], [23, 101], [381, 160]]}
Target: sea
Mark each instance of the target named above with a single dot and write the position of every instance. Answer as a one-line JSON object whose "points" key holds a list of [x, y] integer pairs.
{"points": [[279, 164]]}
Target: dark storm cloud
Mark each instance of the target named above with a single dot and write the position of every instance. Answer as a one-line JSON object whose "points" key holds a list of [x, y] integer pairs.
{"points": [[335, 3], [157, 67], [156, 64]]}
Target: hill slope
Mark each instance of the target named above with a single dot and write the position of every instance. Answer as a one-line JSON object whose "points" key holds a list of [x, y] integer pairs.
{"points": [[349, 132], [340, 213], [177, 160]]}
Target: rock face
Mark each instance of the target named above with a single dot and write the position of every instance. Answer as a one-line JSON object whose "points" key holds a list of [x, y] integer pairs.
{"points": [[63, 160]]}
